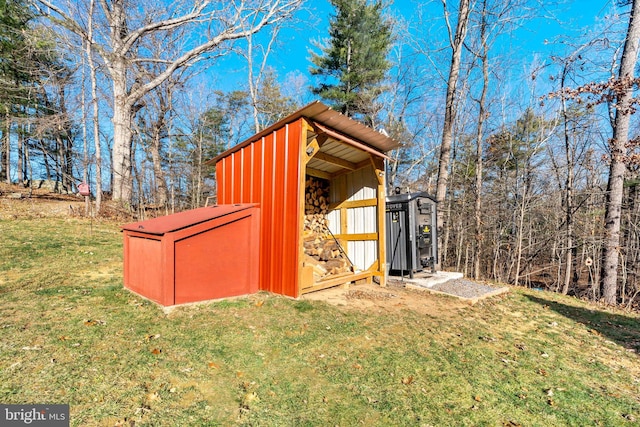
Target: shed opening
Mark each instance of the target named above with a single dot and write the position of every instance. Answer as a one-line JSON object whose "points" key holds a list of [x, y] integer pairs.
{"points": [[342, 228]]}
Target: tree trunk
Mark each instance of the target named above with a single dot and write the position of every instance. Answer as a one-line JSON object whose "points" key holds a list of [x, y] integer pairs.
{"points": [[20, 165], [198, 184], [85, 140], [6, 150], [457, 42], [446, 215], [519, 239], [28, 166], [45, 158], [569, 155], [478, 235], [3, 165], [615, 185], [63, 160], [122, 137], [96, 124], [162, 193]]}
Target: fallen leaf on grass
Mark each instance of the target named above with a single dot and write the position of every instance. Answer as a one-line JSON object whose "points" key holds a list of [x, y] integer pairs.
{"points": [[94, 322], [125, 423], [550, 402], [63, 338], [511, 424], [407, 380], [250, 398], [214, 365], [542, 372], [156, 351], [151, 397], [259, 303], [248, 385], [477, 398]]}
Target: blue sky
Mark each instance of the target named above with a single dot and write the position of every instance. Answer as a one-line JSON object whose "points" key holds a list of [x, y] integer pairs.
{"points": [[568, 21]]}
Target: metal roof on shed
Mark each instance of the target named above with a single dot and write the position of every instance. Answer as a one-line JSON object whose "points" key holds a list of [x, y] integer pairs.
{"points": [[167, 224], [325, 115]]}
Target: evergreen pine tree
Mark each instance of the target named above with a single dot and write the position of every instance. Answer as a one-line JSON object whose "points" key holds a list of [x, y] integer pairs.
{"points": [[354, 65], [29, 61]]}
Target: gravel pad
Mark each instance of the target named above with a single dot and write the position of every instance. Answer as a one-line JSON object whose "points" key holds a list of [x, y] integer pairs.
{"points": [[464, 288]]}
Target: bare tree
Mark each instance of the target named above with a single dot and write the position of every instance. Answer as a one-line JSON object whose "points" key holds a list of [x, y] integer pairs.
{"points": [[483, 54], [93, 76], [256, 75], [153, 129], [617, 168], [570, 150], [456, 40], [207, 28]]}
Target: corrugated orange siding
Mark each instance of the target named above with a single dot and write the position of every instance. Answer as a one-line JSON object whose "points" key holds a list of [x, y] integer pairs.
{"points": [[267, 172]]}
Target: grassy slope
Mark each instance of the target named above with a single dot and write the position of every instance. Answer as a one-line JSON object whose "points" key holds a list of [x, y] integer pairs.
{"points": [[69, 333]]}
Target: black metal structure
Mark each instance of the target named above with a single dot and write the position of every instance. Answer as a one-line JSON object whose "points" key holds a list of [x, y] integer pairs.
{"points": [[412, 244]]}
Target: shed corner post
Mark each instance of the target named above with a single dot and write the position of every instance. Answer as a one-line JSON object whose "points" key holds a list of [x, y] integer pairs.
{"points": [[303, 159], [379, 168]]}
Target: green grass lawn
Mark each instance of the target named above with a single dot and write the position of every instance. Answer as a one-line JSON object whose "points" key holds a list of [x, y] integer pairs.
{"points": [[70, 333]]}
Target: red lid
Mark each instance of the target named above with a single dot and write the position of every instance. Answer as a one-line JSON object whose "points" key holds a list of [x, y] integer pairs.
{"points": [[178, 221]]}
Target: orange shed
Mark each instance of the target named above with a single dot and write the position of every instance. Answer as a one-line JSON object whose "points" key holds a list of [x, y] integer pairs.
{"points": [[319, 179], [196, 255]]}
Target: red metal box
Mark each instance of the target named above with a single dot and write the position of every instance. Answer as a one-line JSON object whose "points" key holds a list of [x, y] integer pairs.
{"points": [[197, 255]]}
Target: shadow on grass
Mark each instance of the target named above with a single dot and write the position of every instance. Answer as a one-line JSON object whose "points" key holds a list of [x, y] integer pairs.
{"points": [[624, 330]]}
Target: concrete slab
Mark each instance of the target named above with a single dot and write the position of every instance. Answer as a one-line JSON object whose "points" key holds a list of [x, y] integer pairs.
{"points": [[428, 279], [451, 284]]}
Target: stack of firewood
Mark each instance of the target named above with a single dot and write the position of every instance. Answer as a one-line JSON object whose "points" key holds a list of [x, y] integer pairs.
{"points": [[322, 251], [316, 206], [325, 257]]}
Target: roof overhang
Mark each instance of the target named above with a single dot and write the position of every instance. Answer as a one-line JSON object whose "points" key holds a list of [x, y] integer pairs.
{"points": [[334, 124]]}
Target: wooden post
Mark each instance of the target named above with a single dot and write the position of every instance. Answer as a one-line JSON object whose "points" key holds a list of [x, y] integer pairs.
{"points": [[378, 167], [304, 276]]}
